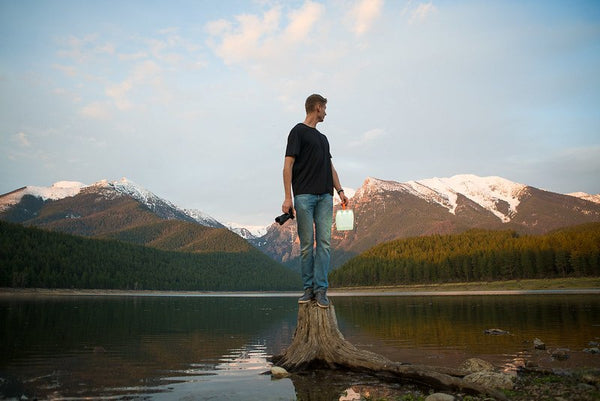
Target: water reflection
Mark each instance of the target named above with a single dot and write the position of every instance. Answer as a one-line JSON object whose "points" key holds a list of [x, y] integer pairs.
{"points": [[167, 348], [447, 330], [63, 347]]}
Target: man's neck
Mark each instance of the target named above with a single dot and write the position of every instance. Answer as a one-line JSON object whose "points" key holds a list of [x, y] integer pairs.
{"points": [[311, 120]]}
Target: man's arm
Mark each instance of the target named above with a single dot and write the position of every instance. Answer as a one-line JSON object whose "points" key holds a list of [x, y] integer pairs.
{"points": [[338, 186], [288, 203]]}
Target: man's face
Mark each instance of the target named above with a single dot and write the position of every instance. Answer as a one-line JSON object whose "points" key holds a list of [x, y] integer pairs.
{"points": [[321, 109]]}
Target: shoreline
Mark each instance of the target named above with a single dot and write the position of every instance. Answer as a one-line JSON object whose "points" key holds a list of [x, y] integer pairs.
{"points": [[575, 286]]}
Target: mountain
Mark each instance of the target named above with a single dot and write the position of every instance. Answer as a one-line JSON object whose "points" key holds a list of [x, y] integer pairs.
{"points": [[586, 196], [387, 210], [124, 211], [118, 210], [24, 203], [247, 232], [58, 260]]}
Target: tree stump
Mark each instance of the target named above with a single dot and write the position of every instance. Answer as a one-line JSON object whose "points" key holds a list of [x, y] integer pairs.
{"points": [[318, 342]]}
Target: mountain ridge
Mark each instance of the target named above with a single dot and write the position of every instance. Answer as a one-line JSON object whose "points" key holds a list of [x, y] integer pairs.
{"points": [[386, 210]]}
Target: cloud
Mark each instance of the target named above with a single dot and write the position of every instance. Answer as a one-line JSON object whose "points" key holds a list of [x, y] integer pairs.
{"points": [[421, 12], [303, 20], [127, 77], [133, 56], [22, 139], [145, 73], [96, 110], [364, 14], [368, 137], [244, 41], [261, 40], [86, 48], [69, 70], [118, 93]]}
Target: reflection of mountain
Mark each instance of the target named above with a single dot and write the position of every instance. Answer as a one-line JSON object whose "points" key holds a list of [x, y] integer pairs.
{"points": [[121, 342], [409, 329]]}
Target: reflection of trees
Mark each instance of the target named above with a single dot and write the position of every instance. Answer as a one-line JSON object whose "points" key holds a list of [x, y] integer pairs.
{"points": [[448, 322], [97, 342]]}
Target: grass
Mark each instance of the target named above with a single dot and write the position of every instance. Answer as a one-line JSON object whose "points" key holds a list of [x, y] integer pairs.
{"points": [[525, 285]]}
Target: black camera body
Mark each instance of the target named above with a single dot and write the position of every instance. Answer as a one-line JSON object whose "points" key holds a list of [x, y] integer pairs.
{"points": [[285, 217]]}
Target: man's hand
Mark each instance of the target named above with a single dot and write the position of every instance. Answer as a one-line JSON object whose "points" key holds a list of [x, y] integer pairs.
{"points": [[343, 199], [287, 205]]}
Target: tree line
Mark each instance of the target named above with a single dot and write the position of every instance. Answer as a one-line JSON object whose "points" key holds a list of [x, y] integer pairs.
{"points": [[476, 255], [31, 257]]}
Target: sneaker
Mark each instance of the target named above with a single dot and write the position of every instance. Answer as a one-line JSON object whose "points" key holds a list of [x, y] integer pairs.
{"points": [[307, 297], [322, 300]]}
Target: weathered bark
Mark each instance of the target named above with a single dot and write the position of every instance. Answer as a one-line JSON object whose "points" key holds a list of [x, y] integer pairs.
{"points": [[318, 342]]}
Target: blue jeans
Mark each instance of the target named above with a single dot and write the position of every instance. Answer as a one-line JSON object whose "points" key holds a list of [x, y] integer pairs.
{"points": [[314, 215]]}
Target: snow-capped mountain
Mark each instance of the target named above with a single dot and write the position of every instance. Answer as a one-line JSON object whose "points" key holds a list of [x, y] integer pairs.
{"points": [[586, 196], [247, 232], [203, 218], [498, 195], [119, 210], [58, 190], [385, 210], [110, 189]]}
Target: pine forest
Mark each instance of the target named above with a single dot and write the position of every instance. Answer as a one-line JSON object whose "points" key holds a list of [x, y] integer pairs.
{"points": [[476, 255]]}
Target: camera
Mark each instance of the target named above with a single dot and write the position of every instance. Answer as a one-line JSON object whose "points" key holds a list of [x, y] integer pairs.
{"points": [[285, 217]]}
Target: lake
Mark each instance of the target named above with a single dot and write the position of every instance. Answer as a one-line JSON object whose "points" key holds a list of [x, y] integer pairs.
{"points": [[217, 347]]}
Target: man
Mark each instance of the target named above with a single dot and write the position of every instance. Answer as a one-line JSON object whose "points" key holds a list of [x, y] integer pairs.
{"points": [[309, 172]]}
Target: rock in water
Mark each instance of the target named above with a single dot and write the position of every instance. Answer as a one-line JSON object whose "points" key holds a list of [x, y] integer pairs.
{"points": [[440, 397], [279, 373], [538, 344], [496, 332], [491, 380], [476, 365], [561, 354]]}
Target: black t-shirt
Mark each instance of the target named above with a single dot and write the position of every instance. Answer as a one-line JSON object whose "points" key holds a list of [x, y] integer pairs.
{"points": [[311, 173]]}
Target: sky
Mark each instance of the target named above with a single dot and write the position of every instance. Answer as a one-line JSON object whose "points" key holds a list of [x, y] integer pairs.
{"points": [[193, 100]]}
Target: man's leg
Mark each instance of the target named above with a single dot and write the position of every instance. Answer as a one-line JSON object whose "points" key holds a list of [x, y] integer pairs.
{"points": [[304, 205], [323, 221]]}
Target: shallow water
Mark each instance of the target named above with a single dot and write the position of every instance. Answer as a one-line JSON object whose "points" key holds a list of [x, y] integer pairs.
{"points": [[212, 347]]}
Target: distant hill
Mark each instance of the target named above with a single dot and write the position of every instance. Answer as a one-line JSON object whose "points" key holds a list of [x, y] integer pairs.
{"points": [[123, 211], [476, 255], [118, 210], [389, 210], [31, 257]]}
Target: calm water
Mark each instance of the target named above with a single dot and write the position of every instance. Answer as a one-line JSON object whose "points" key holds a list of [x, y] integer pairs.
{"points": [[216, 348]]}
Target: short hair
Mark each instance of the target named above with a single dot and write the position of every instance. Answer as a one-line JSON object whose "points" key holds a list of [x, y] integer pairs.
{"points": [[312, 101]]}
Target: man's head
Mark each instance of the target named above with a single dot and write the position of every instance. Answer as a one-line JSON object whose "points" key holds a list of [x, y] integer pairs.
{"points": [[316, 104]]}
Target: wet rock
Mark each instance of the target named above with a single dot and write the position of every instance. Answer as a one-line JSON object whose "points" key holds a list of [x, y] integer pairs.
{"points": [[476, 365], [561, 354], [538, 344], [531, 364], [496, 332], [440, 397], [279, 373], [591, 378], [350, 395], [594, 350], [585, 387], [491, 380]]}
